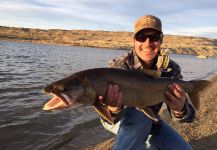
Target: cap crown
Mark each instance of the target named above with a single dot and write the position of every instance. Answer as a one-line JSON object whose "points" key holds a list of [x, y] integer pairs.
{"points": [[147, 21]]}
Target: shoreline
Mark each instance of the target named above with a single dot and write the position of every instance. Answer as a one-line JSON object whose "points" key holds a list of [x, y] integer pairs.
{"points": [[115, 40], [55, 44]]}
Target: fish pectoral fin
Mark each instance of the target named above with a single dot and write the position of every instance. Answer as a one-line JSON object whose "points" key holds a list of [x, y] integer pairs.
{"points": [[104, 112], [148, 112]]}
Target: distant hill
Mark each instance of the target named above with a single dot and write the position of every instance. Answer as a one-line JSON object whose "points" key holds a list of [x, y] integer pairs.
{"points": [[107, 39]]}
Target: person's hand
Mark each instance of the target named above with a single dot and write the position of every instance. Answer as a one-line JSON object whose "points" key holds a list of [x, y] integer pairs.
{"points": [[175, 97], [113, 99]]}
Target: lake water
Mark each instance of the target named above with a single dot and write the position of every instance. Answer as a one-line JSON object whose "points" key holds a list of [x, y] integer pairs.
{"points": [[25, 68]]}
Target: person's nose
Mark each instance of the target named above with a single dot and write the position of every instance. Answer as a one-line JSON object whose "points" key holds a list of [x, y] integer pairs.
{"points": [[146, 43]]}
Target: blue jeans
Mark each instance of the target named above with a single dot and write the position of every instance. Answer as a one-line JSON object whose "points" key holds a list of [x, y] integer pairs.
{"points": [[134, 134]]}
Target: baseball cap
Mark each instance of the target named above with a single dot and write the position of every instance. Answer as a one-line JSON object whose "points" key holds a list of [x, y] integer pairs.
{"points": [[147, 21]]}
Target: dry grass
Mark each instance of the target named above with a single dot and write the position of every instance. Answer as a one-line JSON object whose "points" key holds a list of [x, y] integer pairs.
{"points": [[107, 39]]}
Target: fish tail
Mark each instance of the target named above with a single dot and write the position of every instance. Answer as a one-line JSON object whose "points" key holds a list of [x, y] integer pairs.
{"points": [[200, 86]]}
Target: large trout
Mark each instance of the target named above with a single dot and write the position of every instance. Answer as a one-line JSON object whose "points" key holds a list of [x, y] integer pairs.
{"points": [[138, 89]]}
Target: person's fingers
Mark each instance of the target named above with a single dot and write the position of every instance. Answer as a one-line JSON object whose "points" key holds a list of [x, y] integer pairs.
{"points": [[109, 96], [114, 98], [169, 103], [179, 88], [173, 102], [120, 100], [170, 97], [118, 105], [115, 93], [112, 95], [100, 99], [176, 92]]}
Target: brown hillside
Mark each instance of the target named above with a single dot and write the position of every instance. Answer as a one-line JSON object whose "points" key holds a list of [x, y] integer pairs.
{"points": [[107, 39]]}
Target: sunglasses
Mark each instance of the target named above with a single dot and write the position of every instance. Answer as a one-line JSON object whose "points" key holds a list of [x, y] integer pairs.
{"points": [[142, 37]]}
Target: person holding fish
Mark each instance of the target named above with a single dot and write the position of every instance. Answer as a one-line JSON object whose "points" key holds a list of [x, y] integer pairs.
{"points": [[134, 129], [130, 109]]}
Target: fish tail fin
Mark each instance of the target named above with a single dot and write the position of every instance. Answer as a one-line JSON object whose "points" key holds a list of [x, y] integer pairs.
{"points": [[198, 86]]}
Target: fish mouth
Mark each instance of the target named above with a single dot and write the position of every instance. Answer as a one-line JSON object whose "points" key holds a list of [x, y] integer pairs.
{"points": [[65, 99], [59, 101]]}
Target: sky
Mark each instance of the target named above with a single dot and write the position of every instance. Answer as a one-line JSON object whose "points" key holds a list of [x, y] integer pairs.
{"points": [[189, 17]]}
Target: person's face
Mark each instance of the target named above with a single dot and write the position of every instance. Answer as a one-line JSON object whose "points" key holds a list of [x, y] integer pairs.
{"points": [[147, 44]]}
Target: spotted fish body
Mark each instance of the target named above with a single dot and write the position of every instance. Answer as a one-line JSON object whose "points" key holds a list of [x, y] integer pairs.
{"points": [[138, 88]]}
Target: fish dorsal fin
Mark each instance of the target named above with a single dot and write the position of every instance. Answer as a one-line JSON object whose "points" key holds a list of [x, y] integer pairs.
{"points": [[103, 111]]}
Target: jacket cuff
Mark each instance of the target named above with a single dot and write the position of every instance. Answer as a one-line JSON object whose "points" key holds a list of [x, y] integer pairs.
{"points": [[187, 116]]}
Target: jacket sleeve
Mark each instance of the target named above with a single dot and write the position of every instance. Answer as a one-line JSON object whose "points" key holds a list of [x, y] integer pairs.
{"points": [[189, 113], [119, 62]]}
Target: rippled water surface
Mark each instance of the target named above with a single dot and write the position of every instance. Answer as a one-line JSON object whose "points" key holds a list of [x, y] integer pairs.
{"points": [[26, 68]]}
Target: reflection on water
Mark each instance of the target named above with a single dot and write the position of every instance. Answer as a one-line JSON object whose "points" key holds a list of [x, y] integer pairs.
{"points": [[26, 68]]}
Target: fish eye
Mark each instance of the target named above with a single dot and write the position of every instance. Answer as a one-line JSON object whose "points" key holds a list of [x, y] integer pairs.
{"points": [[60, 87]]}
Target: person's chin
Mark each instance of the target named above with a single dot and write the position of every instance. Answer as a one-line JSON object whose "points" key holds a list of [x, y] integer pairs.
{"points": [[149, 57]]}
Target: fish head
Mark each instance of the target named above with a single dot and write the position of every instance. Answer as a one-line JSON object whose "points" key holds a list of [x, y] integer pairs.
{"points": [[67, 91], [71, 93]]}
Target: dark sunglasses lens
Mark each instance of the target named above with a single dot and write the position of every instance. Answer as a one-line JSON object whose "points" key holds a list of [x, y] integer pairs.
{"points": [[141, 37], [152, 37]]}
